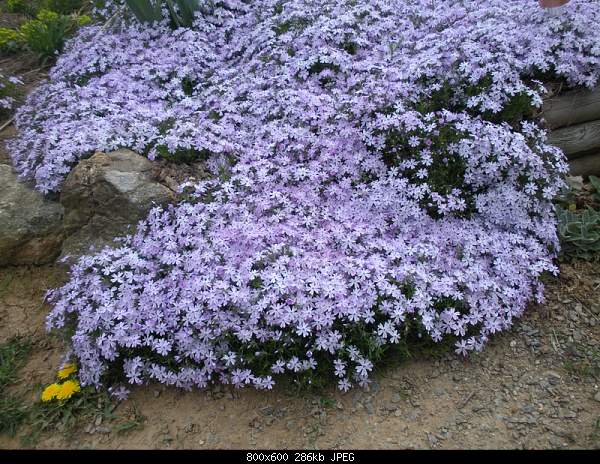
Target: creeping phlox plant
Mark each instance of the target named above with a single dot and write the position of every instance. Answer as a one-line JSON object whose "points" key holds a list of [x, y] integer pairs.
{"points": [[8, 91], [375, 177], [62, 391]]}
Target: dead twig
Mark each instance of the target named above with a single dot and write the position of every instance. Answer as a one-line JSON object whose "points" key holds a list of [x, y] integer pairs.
{"points": [[34, 70], [6, 124], [464, 402]]}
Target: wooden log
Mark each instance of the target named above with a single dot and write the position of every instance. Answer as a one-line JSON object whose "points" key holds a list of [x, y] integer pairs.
{"points": [[579, 140], [573, 107], [585, 166]]}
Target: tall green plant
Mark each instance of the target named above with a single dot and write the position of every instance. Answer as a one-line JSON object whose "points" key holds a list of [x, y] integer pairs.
{"points": [[146, 11], [46, 34], [181, 12]]}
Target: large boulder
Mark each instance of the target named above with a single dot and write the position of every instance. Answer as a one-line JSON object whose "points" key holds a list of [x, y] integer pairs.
{"points": [[30, 226], [105, 196]]}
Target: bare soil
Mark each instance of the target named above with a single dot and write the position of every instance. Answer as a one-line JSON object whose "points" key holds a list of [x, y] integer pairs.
{"points": [[536, 386]]}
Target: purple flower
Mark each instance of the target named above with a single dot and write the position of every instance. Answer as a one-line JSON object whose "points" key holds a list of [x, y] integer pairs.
{"points": [[340, 203]]}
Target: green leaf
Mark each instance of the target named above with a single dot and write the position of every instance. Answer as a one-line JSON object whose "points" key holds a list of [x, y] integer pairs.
{"points": [[187, 10], [145, 11]]}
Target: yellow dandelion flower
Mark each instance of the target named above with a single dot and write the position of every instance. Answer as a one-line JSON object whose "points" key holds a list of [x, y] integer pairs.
{"points": [[67, 389], [67, 371], [50, 391]]}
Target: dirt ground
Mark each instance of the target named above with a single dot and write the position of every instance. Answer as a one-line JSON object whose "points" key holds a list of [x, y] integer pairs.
{"points": [[536, 386]]}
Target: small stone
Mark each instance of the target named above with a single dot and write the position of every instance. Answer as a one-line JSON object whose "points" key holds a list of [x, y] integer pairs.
{"points": [[555, 442], [396, 398], [189, 428], [432, 440], [267, 411], [597, 397]]}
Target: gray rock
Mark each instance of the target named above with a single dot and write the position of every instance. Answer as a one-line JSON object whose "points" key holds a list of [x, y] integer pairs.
{"points": [[597, 397], [105, 196], [30, 226], [396, 398]]}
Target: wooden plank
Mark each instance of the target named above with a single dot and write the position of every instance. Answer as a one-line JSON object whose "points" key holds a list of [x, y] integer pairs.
{"points": [[578, 140], [571, 108], [585, 166]]}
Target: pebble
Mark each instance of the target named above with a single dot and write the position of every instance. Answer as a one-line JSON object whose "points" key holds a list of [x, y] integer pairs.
{"points": [[432, 440], [267, 410], [597, 397]]}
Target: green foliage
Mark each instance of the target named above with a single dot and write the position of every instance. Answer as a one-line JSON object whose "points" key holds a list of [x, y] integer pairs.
{"points": [[595, 183], [579, 232], [51, 23], [12, 357], [453, 96], [66, 416], [447, 171], [31, 8], [46, 34], [10, 40], [186, 10], [181, 12], [24, 7], [13, 412], [182, 155], [12, 409], [146, 11], [64, 7]]}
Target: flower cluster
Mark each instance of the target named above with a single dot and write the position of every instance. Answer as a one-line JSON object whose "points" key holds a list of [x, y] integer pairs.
{"points": [[65, 390], [375, 176], [7, 91]]}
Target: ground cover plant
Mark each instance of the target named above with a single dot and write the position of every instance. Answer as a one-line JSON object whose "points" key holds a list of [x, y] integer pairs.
{"points": [[376, 177], [9, 88]]}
